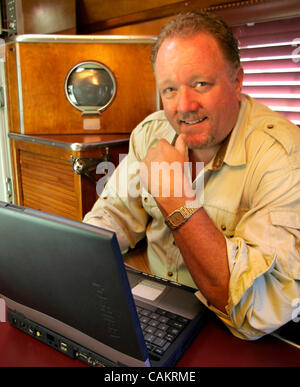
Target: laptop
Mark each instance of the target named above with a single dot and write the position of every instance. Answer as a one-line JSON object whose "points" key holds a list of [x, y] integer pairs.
{"points": [[65, 284]]}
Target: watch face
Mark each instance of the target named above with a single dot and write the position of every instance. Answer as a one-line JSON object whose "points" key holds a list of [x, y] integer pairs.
{"points": [[177, 218]]}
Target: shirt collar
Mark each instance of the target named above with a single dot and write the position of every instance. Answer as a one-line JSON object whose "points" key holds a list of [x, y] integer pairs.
{"points": [[233, 151], [219, 157]]}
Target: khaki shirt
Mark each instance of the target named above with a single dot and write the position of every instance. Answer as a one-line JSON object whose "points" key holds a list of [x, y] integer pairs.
{"points": [[252, 194]]}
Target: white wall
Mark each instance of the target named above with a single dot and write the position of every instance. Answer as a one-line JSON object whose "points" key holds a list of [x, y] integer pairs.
{"points": [[5, 165]]}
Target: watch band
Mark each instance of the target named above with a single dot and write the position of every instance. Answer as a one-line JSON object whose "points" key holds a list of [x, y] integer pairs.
{"points": [[179, 216]]}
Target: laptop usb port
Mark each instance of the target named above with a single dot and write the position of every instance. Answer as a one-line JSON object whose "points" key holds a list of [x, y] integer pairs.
{"points": [[82, 356], [63, 346]]}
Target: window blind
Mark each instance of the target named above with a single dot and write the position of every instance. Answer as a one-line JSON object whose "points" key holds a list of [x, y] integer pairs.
{"points": [[270, 55]]}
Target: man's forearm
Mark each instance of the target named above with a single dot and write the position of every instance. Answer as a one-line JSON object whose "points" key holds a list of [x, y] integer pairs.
{"points": [[203, 248]]}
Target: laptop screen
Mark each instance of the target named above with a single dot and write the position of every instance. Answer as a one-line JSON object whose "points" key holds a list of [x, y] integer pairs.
{"points": [[70, 271]]}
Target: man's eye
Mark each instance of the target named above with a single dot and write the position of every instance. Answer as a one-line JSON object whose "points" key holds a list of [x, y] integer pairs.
{"points": [[168, 91], [200, 84]]}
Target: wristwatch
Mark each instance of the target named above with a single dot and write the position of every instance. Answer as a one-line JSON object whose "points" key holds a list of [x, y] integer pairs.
{"points": [[179, 216]]}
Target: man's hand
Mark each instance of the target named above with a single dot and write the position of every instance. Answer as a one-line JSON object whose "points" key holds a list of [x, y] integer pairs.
{"points": [[165, 173]]}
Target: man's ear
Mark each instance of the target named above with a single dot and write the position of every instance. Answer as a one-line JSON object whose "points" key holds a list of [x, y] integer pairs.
{"points": [[239, 77]]}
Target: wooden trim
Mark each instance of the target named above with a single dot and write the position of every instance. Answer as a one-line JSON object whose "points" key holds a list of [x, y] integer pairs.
{"points": [[12, 89], [164, 11], [17, 183]]}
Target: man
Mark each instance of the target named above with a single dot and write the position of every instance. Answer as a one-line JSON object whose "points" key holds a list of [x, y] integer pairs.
{"points": [[239, 246]]}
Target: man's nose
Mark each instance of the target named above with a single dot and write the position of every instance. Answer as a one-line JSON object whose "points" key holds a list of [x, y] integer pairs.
{"points": [[187, 100]]}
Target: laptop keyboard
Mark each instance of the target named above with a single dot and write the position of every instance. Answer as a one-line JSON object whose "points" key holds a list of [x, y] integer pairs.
{"points": [[160, 328]]}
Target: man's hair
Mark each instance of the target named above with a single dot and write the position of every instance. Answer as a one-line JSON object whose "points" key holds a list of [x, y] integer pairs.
{"points": [[191, 23]]}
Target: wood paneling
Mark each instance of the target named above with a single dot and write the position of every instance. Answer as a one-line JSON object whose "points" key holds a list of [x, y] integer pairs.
{"points": [[234, 12], [47, 16], [44, 67], [48, 184], [44, 178], [92, 11], [133, 15]]}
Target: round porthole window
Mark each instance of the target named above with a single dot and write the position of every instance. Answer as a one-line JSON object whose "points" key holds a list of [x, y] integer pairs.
{"points": [[90, 87]]}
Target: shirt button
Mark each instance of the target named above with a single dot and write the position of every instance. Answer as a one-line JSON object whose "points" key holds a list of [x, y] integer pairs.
{"points": [[270, 126], [170, 274]]}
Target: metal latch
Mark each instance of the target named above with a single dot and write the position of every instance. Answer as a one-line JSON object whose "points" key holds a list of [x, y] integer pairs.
{"points": [[85, 165], [9, 190]]}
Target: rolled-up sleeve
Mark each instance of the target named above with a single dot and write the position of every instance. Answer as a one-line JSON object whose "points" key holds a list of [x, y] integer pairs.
{"points": [[263, 255]]}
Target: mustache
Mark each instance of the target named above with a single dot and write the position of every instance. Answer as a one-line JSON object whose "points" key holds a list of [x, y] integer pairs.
{"points": [[190, 116]]}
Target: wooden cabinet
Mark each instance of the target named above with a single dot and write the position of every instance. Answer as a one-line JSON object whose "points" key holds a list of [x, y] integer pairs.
{"points": [[44, 177], [47, 132], [37, 68]]}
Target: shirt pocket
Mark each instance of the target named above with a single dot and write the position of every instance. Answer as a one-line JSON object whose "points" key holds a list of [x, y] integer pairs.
{"points": [[287, 219], [287, 243]]}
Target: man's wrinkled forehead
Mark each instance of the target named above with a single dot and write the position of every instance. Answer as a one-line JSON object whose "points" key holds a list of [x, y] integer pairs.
{"points": [[197, 51], [188, 35]]}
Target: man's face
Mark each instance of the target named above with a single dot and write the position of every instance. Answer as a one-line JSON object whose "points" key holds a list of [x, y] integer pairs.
{"points": [[199, 91]]}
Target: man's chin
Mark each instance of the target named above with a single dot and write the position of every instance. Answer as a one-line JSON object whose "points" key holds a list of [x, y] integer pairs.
{"points": [[198, 142]]}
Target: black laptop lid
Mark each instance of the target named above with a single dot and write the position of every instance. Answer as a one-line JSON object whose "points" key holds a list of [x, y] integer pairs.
{"points": [[69, 271]]}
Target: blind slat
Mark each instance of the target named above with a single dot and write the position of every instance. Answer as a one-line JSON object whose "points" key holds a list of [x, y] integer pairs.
{"points": [[270, 55]]}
